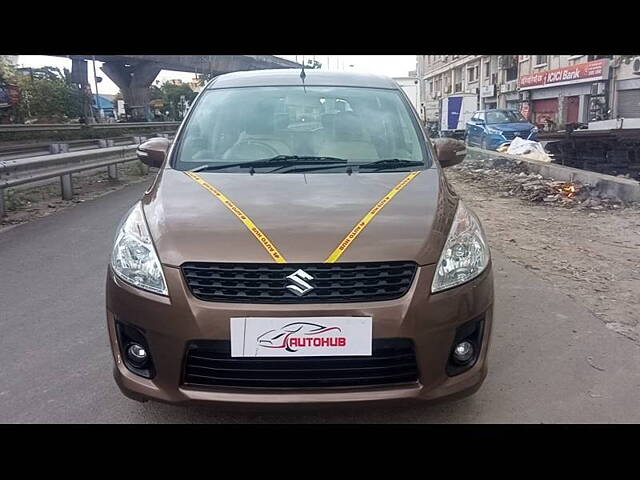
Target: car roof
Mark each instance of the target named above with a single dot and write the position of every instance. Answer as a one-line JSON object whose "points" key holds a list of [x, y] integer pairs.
{"points": [[279, 77]]}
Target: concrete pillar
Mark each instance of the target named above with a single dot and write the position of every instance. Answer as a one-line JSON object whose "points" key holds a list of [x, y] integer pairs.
{"points": [[134, 82], [66, 185], [562, 111], [80, 76]]}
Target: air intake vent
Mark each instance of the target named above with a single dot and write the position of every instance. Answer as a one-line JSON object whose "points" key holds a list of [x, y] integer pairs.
{"points": [[209, 364]]}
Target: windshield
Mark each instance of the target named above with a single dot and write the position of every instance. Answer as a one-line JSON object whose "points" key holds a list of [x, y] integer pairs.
{"points": [[505, 116], [346, 125]]}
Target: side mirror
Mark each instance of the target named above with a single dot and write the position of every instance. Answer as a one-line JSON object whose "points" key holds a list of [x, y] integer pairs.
{"points": [[154, 151], [449, 151]]}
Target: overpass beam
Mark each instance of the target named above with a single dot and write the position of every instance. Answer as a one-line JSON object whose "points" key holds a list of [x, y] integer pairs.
{"points": [[134, 81]]}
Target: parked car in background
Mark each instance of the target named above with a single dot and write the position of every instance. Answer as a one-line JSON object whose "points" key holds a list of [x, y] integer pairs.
{"points": [[489, 129]]}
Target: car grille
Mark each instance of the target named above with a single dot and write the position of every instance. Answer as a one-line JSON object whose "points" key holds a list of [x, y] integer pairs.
{"points": [[266, 283], [209, 364], [512, 135]]}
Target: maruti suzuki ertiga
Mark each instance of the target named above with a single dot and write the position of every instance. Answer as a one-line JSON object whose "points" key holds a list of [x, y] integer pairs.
{"points": [[300, 243]]}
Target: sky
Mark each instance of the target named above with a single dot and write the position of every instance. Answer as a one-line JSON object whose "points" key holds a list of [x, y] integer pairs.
{"points": [[390, 65]]}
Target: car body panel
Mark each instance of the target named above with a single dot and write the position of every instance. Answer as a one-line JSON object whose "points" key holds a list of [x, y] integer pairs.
{"points": [[428, 319], [190, 224]]}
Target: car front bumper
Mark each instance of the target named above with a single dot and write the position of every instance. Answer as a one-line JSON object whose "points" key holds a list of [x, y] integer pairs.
{"points": [[493, 141], [430, 320]]}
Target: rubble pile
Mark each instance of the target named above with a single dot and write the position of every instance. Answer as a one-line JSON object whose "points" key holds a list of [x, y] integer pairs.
{"points": [[511, 179]]}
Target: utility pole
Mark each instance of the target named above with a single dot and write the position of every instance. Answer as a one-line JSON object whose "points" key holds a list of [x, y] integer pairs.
{"points": [[95, 80]]}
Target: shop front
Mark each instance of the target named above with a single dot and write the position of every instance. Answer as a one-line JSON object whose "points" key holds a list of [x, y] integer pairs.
{"points": [[560, 97], [628, 98]]}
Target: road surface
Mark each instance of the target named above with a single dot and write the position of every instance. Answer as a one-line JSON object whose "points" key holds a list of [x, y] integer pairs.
{"points": [[551, 361]]}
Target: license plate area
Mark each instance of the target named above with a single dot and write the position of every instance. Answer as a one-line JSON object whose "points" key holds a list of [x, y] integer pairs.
{"points": [[300, 336]]}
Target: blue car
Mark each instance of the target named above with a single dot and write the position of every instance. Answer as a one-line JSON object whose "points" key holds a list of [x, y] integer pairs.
{"points": [[489, 129]]}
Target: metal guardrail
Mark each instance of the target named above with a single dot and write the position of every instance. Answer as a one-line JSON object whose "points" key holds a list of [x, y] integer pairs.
{"points": [[84, 126], [12, 152], [22, 171]]}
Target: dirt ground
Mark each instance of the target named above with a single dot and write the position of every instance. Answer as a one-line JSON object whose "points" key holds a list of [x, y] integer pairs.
{"points": [[591, 255], [26, 204]]}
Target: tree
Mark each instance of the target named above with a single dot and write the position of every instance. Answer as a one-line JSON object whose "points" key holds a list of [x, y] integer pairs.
{"points": [[46, 93], [7, 70], [173, 94]]}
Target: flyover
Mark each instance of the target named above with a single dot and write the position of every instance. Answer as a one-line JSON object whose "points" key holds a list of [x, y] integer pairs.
{"points": [[134, 74]]}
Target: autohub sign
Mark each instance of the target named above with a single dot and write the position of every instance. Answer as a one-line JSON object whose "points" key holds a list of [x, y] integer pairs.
{"points": [[582, 72]]}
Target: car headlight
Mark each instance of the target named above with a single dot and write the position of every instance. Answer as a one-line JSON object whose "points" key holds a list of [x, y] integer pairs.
{"points": [[465, 254], [493, 131], [534, 130], [134, 257]]}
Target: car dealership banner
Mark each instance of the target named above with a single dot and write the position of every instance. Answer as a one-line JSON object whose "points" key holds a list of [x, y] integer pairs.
{"points": [[300, 336], [582, 72]]}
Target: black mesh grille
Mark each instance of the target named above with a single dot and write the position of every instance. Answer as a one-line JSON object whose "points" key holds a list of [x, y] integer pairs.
{"points": [[267, 282], [209, 364]]}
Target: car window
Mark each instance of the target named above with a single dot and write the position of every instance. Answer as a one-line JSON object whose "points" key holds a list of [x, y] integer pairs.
{"points": [[481, 116], [504, 116], [246, 124]]}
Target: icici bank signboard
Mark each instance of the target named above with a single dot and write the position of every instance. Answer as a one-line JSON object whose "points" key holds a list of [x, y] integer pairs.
{"points": [[582, 72]]}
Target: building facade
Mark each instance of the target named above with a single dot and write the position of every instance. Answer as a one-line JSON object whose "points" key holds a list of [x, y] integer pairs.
{"points": [[552, 91], [560, 90], [625, 100], [492, 78]]}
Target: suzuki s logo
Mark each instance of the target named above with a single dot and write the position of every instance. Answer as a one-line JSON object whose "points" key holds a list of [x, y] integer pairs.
{"points": [[298, 278]]}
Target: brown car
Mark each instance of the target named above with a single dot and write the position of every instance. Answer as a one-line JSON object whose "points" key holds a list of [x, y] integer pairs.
{"points": [[300, 243]]}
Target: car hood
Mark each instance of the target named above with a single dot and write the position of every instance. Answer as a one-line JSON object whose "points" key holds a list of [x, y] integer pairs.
{"points": [[304, 215], [512, 127]]}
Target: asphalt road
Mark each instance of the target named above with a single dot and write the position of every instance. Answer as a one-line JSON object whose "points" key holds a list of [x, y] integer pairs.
{"points": [[551, 361]]}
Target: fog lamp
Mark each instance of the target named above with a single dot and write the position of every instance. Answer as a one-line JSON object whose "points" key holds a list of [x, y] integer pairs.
{"points": [[463, 352], [137, 354]]}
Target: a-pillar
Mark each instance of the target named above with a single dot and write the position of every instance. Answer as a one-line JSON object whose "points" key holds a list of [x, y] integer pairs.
{"points": [[134, 82]]}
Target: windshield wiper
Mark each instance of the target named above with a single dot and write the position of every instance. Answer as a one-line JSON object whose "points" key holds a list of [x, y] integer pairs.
{"points": [[391, 163], [314, 168], [277, 161]]}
